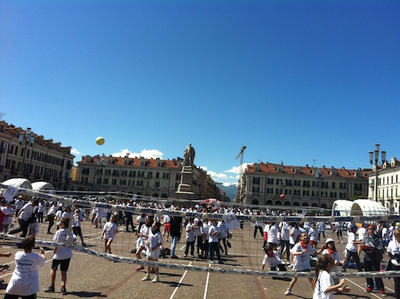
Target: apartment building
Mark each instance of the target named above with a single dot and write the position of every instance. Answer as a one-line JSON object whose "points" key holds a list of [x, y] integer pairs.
{"points": [[156, 178], [283, 185], [387, 177], [24, 154]]}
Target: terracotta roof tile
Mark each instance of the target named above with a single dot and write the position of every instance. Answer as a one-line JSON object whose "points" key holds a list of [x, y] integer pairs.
{"points": [[305, 170]]}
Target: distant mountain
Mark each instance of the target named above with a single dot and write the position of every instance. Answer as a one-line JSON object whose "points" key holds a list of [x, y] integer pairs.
{"points": [[231, 191]]}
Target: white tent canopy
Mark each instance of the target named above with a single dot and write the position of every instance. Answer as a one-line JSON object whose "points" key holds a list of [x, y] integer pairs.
{"points": [[359, 207], [43, 187], [18, 183], [342, 208]]}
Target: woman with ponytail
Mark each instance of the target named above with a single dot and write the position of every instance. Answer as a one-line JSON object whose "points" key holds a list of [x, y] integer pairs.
{"points": [[322, 281]]}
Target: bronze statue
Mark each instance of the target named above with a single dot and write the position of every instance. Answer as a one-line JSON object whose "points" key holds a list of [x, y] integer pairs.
{"points": [[188, 156]]}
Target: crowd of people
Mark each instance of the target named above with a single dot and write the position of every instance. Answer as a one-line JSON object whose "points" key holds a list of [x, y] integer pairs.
{"points": [[299, 244], [365, 250]]}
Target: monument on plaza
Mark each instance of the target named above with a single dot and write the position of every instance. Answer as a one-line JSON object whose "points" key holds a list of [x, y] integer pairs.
{"points": [[185, 186]]}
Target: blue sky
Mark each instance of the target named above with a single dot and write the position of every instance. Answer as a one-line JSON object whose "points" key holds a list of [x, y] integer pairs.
{"points": [[298, 82]]}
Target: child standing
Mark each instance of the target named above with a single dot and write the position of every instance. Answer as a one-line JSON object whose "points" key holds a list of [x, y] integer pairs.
{"points": [[62, 256], [143, 235], [301, 252], [25, 279], [153, 246], [108, 233], [314, 235], [330, 248], [272, 258], [8, 214], [76, 225], [322, 281]]}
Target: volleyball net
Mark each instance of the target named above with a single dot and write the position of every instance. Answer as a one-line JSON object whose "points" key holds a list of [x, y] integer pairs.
{"points": [[243, 255]]}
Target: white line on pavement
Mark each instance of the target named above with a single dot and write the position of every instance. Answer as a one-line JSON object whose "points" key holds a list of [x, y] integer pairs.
{"points": [[180, 282]]}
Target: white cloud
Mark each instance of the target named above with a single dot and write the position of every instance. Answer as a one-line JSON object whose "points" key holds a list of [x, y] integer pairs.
{"points": [[217, 176], [144, 153], [229, 184], [236, 169], [74, 151], [222, 177]]}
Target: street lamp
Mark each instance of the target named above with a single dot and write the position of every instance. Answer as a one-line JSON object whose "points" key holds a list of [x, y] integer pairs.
{"points": [[101, 163], [25, 140], [373, 160]]}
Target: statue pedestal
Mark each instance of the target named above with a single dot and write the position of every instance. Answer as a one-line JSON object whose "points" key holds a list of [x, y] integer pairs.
{"points": [[185, 187]]}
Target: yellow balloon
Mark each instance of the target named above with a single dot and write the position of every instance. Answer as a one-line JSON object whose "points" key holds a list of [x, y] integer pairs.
{"points": [[100, 140]]}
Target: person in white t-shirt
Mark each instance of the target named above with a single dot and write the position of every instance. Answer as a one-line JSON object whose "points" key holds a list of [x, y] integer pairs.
{"points": [[393, 250], [77, 218], [204, 234], [322, 282], [8, 215], [258, 227], [301, 253], [362, 231], [167, 226], [213, 243], [100, 215], [153, 248], [352, 248], [313, 233], [190, 238], [23, 217], [223, 235], [19, 203], [62, 256], [108, 233], [385, 235], [273, 231], [321, 229], [285, 240], [272, 258], [25, 278], [330, 248], [40, 211], [143, 235]]}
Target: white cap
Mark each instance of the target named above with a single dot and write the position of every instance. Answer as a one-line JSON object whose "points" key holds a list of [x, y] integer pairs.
{"points": [[329, 240]]}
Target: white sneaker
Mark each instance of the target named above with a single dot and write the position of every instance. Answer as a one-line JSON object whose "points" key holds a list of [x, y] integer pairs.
{"points": [[156, 279], [146, 278], [288, 292]]}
